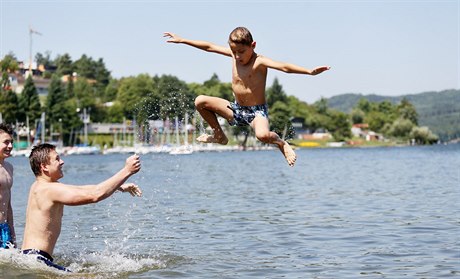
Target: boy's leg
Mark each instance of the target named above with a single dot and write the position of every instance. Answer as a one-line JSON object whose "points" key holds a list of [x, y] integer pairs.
{"points": [[262, 130], [208, 107]]}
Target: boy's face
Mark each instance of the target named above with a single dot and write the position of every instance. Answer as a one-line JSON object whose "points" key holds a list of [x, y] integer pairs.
{"points": [[242, 53], [6, 145]]}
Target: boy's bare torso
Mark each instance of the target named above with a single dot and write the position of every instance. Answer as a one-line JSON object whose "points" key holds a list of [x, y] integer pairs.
{"points": [[43, 218], [248, 82], [6, 182]]}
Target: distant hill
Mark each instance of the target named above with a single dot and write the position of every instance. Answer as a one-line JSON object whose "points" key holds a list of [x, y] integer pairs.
{"points": [[440, 111]]}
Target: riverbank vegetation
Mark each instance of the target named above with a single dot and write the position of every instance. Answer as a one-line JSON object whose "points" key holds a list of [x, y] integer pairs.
{"points": [[86, 85]]}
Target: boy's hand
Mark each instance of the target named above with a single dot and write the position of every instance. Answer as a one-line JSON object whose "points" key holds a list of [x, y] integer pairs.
{"points": [[133, 164], [319, 70], [173, 37], [131, 188]]}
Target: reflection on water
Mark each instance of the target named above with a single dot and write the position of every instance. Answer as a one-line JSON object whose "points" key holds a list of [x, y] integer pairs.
{"points": [[339, 213]]}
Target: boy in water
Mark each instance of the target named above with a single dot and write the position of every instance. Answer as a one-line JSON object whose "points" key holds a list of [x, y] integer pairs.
{"points": [[7, 234], [249, 75], [48, 196]]}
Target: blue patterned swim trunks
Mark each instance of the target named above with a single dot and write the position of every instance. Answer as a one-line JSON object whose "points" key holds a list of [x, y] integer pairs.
{"points": [[244, 115], [5, 236]]}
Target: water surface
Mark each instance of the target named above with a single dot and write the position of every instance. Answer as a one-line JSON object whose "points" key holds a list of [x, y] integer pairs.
{"points": [[339, 213]]}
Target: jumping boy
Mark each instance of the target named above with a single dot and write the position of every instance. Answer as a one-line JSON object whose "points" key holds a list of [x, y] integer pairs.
{"points": [[249, 75], [48, 196], [7, 234]]}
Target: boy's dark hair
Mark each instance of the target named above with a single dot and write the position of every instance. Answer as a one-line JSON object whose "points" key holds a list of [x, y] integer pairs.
{"points": [[5, 128], [40, 155], [240, 35]]}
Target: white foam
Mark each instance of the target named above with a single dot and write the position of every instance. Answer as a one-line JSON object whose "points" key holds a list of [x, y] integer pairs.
{"points": [[95, 264]]}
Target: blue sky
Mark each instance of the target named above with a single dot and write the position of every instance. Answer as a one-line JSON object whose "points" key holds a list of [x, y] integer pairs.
{"points": [[383, 47]]}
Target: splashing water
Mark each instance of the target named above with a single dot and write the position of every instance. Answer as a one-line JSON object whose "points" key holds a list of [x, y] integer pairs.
{"points": [[202, 130], [87, 265]]}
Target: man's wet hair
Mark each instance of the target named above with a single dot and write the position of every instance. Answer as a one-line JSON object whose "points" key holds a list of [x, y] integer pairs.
{"points": [[39, 155]]}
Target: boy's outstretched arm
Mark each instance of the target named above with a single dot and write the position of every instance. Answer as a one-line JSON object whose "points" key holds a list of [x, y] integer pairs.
{"points": [[291, 68], [203, 45]]}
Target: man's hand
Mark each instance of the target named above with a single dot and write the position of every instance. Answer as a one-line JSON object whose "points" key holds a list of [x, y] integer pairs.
{"points": [[133, 164], [131, 188]]}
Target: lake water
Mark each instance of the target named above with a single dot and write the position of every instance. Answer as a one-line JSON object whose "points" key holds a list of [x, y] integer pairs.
{"points": [[339, 213]]}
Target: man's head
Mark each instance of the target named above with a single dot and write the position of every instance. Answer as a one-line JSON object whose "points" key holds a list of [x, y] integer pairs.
{"points": [[242, 45], [45, 160], [6, 141]]}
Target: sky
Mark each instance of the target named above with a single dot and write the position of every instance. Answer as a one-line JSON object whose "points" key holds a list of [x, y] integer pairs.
{"points": [[391, 48]]}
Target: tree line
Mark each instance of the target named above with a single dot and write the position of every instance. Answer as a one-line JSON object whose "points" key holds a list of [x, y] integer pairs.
{"points": [[144, 97]]}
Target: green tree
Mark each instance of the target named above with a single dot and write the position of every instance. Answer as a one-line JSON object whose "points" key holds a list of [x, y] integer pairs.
{"points": [[213, 87], [71, 121], [8, 106], [70, 88], [280, 120], [9, 64], [85, 67], [44, 59], [407, 111], [340, 127], [84, 93], [55, 102], [303, 110], [387, 108], [321, 106], [64, 65], [132, 93], [213, 81], [276, 93], [29, 102], [115, 113], [175, 97], [357, 116], [102, 75], [401, 128], [111, 91], [376, 120], [364, 105], [423, 135], [8, 99]]}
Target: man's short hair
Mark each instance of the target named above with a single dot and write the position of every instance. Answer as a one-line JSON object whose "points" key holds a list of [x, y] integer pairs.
{"points": [[6, 128], [39, 155]]}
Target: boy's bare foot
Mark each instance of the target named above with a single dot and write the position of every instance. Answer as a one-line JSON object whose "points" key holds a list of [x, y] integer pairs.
{"points": [[288, 153], [212, 139]]}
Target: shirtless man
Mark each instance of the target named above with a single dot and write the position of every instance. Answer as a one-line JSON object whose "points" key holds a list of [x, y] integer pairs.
{"points": [[7, 234], [48, 196], [249, 76]]}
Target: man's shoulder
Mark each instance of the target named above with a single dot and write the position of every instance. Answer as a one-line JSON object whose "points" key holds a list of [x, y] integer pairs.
{"points": [[39, 185]]}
